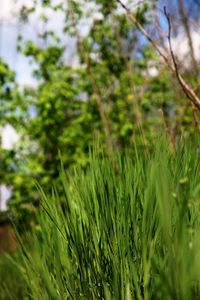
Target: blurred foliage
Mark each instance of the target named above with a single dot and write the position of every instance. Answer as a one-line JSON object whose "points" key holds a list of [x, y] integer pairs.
{"points": [[61, 115]]}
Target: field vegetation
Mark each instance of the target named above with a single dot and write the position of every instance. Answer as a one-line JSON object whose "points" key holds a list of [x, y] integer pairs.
{"points": [[104, 178], [125, 231]]}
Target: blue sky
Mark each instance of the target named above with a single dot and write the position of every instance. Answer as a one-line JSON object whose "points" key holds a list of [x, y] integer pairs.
{"points": [[10, 28]]}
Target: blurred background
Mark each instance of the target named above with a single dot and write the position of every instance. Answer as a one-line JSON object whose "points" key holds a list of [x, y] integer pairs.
{"points": [[73, 72]]}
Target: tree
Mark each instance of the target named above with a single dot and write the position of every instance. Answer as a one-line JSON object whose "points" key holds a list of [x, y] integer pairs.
{"points": [[114, 93]]}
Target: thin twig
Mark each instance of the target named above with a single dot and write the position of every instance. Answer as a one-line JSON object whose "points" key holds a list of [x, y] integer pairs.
{"points": [[136, 107], [167, 131], [186, 26], [194, 108], [95, 88], [189, 92], [195, 117]]}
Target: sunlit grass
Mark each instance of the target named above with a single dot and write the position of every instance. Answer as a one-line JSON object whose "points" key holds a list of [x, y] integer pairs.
{"points": [[131, 231]]}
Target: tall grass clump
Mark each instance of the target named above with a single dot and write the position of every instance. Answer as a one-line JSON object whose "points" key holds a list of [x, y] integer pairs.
{"points": [[12, 284], [128, 230]]}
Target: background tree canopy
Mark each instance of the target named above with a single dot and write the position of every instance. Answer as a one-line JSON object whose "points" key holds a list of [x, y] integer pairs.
{"points": [[115, 90]]}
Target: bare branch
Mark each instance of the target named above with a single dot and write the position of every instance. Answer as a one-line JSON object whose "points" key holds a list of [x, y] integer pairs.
{"points": [[194, 108], [95, 88], [167, 131], [186, 26], [189, 92], [171, 49]]}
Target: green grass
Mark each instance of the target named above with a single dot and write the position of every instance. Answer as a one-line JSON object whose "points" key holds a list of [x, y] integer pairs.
{"points": [[12, 284], [126, 232]]}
